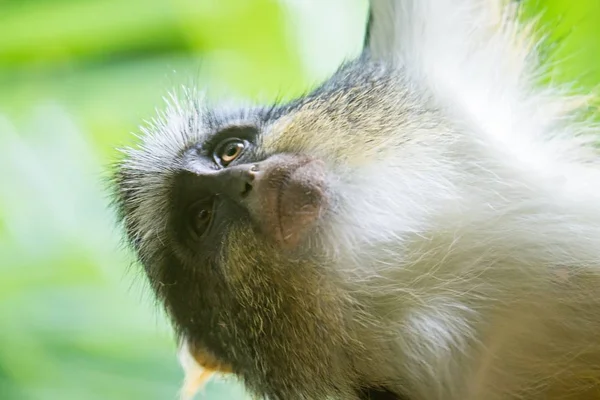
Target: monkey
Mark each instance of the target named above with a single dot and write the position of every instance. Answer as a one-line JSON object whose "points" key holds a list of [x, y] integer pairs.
{"points": [[423, 225]]}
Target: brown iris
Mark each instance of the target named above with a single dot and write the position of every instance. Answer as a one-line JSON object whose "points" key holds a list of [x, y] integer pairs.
{"points": [[229, 151]]}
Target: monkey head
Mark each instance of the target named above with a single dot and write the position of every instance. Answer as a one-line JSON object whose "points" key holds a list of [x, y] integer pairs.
{"points": [[256, 227]]}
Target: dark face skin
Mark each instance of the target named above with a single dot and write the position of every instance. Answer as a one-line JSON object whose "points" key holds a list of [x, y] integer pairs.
{"points": [[228, 230]]}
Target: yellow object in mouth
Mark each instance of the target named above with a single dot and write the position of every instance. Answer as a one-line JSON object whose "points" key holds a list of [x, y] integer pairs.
{"points": [[198, 367]]}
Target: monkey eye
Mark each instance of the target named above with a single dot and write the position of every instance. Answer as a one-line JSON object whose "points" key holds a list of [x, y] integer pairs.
{"points": [[228, 151], [199, 218]]}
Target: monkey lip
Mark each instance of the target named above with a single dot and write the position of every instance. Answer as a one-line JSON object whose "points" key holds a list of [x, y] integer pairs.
{"points": [[289, 197]]}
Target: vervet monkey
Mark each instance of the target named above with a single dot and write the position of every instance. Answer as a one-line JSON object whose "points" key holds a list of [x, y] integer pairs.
{"points": [[425, 225]]}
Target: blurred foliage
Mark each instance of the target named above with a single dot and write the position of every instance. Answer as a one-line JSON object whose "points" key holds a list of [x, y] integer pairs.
{"points": [[76, 77]]}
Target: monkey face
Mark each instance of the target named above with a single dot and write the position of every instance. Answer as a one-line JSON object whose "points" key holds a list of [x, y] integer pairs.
{"points": [[250, 222]]}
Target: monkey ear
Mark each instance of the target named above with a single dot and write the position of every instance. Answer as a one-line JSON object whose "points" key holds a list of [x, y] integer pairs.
{"points": [[380, 34]]}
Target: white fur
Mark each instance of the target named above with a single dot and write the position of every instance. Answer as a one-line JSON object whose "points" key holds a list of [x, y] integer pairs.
{"points": [[498, 213]]}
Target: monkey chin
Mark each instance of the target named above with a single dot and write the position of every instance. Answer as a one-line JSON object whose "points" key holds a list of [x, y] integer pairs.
{"points": [[288, 197]]}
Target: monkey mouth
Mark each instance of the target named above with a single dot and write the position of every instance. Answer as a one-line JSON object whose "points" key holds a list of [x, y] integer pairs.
{"points": [[290, 197]]}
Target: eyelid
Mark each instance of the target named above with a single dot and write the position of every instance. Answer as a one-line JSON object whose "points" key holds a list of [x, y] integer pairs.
{"points": [[247, 133]]}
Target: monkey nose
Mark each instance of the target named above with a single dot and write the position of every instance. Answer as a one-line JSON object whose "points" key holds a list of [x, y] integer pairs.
{"points": [[235, 182]]}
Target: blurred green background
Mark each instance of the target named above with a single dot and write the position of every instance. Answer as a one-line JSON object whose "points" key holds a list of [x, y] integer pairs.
{"points": [[76, 77]]}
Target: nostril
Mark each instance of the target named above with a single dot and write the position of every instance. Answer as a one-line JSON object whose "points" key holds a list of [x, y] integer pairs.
{"points": [[250, 176], [247, 189]]}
